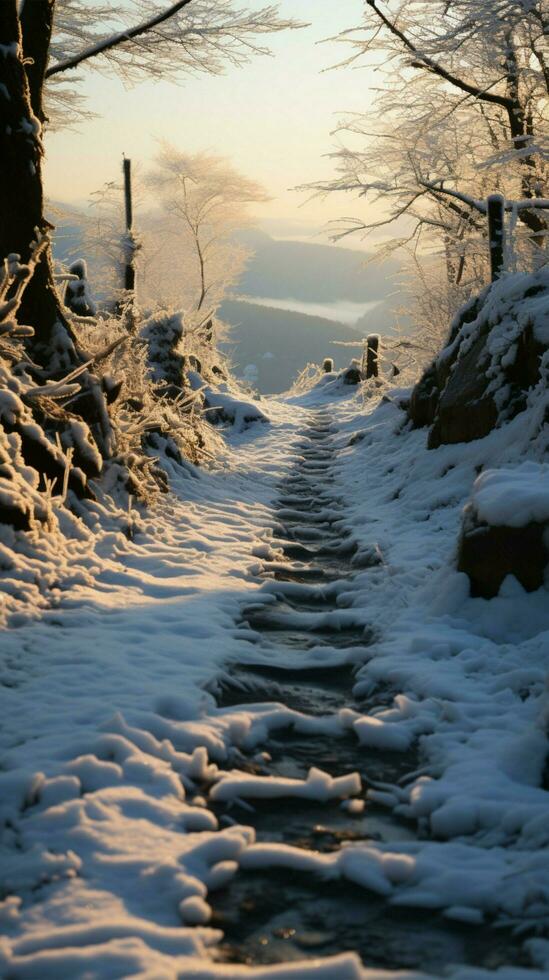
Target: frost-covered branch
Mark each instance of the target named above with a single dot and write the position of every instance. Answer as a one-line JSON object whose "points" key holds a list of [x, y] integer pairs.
{"points": [[109, 43], [187, 36], [481, 206], [424, 61]]}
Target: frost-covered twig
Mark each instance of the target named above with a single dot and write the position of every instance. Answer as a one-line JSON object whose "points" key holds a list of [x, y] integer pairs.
{"points": [[14, 277], [58, 389]]}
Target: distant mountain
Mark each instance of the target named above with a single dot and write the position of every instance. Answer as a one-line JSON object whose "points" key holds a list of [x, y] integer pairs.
{"points": [[311, 272], [271, 346]]}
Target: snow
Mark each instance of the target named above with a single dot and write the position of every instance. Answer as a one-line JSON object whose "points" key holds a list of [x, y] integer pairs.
{"points": [[513, 496], [507, 309], [469, 676], [319, 786], [113, 749], [223, 404]]}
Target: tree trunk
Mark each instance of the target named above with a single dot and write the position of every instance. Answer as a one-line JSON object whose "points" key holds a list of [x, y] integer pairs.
{"points": [[521, 137], [36, 27], [54, 344], [21, 191], [496, 234]]}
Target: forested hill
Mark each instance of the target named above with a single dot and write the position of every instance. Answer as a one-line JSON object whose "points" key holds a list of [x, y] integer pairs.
{"points": [[277, 268], [280, 342], [312, 272]]}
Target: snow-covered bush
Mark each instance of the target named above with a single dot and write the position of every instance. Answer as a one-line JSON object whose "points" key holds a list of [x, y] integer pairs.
{"points": [[125, 414], [149, 419], [78, 296], [307, 379], [162, 336], [21, 505]]}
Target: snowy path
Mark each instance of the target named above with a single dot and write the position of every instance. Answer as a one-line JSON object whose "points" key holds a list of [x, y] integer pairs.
{"points": [[278, 911], [141, 815]]}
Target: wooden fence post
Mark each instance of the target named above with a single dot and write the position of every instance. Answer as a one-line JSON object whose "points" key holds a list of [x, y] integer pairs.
{"points": [[130, 249], [496, 233], [327, 365], [129, 266], [372, 356]]}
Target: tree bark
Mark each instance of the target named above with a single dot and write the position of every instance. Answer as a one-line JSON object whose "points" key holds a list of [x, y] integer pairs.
{"points": [[53, 345], [36, 27], [21, 190], [522, 139], [21, 201]]}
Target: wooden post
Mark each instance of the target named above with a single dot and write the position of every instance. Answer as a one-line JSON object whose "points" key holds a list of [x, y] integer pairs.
{"points": [[496, 233], [372, 356], [129, 266], [327, 365]]}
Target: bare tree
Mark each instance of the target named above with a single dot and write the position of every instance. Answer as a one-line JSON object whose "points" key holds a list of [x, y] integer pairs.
{"points": [[190, 210], [206, 201]]}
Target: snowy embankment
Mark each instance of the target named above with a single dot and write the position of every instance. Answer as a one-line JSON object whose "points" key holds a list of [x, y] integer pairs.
{"points": [[111, 745]]}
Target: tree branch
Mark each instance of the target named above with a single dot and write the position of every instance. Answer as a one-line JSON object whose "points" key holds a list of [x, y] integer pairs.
{"points": [[429, 64], [437, 188], [116, 39]]}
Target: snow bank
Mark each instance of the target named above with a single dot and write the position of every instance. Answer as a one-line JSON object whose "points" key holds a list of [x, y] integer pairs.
{"points": [[225, 406]]}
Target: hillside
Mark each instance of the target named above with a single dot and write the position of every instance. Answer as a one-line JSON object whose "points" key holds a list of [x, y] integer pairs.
{"points": [[280, 342], [277, 268], [307, 271]]}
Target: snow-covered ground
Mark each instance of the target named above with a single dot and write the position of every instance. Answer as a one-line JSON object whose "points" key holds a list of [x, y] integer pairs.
{"points": [[111, 744]]}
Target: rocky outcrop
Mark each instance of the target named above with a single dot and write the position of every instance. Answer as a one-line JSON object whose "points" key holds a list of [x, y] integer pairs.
{"points": [[463, 409], [424, 399], [492, 360]]}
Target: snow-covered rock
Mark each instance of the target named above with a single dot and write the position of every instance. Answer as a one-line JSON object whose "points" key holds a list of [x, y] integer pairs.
{"points": [[497, 352], [505, 529]]}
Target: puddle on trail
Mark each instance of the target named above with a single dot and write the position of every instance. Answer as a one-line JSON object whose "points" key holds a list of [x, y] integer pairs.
{"points": [[283, 916]]}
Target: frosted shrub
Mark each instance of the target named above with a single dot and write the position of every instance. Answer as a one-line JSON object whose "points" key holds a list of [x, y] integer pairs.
{"points": [[307, 379], [157, 413]]}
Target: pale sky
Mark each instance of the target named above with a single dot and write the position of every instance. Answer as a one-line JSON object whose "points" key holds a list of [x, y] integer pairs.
{"points": [[272, 118]]}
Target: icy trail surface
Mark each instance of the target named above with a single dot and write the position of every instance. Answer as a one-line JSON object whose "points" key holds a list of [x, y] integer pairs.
{"points": [[267, 733]]}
